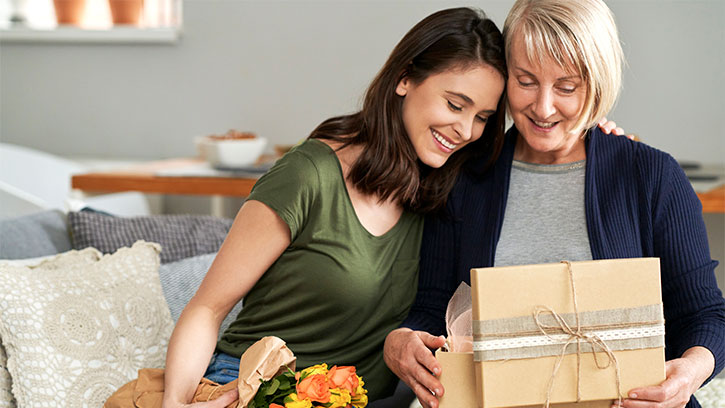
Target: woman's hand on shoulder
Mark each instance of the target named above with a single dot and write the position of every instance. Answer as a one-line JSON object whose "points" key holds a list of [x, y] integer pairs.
{"points": [[684, 376], [609, 127], [408, 354], [225, 399]]}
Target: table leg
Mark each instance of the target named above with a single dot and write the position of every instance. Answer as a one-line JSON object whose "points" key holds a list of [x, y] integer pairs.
{"points": [[217, 206]]}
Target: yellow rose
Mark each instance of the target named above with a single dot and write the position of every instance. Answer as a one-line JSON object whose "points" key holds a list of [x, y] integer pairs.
{"points": [[359, 390], [291, 401], [339, 397], [315, 369], [360, 401]]}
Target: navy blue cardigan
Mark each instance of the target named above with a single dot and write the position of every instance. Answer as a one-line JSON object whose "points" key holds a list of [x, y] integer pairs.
{"points": [[638, 203]]}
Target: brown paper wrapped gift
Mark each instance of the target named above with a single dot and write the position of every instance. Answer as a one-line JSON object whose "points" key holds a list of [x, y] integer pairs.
{"points": [[567, 332]]}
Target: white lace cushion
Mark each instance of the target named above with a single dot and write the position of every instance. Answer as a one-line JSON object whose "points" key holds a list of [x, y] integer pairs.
{"points": [[65, 260], [75, 333]]}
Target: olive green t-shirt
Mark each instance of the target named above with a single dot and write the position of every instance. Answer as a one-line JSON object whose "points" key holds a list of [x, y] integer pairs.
{"points": [[337, 290]]}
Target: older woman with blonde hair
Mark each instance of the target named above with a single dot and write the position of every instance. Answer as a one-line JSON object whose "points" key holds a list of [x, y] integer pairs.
{"points": [[561, 189]]}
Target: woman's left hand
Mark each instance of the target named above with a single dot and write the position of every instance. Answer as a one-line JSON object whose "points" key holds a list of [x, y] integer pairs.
{"points": [[684, 376], [609, 127]]}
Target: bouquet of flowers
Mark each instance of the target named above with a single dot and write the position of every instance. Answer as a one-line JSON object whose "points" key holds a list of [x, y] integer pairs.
{"points": [[316, 386]]}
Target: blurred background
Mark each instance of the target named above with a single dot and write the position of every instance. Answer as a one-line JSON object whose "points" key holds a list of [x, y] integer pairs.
{"points": [[278, 68]]}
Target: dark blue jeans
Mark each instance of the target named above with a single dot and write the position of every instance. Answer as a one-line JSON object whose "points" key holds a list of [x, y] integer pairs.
{"points": [[223, 368]]}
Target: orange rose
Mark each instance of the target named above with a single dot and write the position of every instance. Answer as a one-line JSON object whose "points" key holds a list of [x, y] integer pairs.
{"points": [[314, 387], [273, 405], [343, 377]]}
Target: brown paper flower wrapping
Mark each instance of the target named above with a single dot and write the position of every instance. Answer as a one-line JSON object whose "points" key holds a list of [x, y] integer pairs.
{"points": [[264, 359]]}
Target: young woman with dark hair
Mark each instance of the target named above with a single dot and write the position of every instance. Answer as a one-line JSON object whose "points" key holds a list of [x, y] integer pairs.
{"points": [[391, 165], [325, 250]]}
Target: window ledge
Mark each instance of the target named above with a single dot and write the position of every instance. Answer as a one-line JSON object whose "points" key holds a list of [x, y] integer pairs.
{"points": [[74, 35]]}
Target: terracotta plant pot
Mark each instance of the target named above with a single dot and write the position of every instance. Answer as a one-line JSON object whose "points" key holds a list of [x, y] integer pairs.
{"points": [[126, 11], [69, 11]]}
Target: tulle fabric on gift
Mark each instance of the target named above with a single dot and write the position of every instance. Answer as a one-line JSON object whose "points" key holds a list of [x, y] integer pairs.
{"points": [[458, 321]]}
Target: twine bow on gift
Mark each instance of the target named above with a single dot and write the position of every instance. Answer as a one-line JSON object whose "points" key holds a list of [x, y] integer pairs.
{"points": [[575, 335]]}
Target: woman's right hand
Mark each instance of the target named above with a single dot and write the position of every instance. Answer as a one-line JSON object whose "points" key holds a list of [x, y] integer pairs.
{"points": [[221, 402], [408, 354]]}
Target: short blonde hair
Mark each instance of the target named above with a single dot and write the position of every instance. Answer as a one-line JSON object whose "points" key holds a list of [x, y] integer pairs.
{"points": [[577, 32]]}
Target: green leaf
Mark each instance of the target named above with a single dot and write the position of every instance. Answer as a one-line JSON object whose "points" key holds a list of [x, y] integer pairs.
{"points": [[285, 382], [274, 390], [272, 387], [279, 399]]}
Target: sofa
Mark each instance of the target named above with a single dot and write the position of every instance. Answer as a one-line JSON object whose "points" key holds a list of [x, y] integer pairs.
{"points": [[88, 298]]}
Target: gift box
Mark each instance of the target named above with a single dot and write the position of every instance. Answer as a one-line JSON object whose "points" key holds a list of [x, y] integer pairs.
{"points": [[584, 332], [456, 358], [458, 378]]}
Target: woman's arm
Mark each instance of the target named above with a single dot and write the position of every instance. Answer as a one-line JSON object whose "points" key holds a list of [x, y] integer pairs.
{"points": [[255, 241], [693, 305]]}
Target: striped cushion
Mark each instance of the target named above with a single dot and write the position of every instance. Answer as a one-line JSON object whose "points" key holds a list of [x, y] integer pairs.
{"points": [[180, 236]]}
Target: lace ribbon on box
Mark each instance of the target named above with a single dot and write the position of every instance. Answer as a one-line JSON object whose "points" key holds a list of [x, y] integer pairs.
{"points": [[458, 321]]}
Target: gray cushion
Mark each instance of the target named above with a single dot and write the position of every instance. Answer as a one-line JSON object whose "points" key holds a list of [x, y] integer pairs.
{"points": [[40, 234], [180, 236], [181, 279]]}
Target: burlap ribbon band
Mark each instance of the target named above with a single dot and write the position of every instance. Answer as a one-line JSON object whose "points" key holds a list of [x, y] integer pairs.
{"points": [[520, 337]]}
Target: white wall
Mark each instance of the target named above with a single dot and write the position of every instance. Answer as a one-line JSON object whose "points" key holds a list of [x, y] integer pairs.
{"points": [[280, 67], [674, 88]]}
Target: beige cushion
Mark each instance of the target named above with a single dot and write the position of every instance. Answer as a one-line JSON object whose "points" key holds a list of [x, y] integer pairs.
{"points": [[712, 395], [66, 260], [75, 331]]}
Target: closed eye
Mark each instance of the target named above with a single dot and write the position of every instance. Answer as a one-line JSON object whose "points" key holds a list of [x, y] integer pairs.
{"points": [[454, 107], [481, 119]]}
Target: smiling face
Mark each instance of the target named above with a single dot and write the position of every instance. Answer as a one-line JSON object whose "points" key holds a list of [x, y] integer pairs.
{"points": [[545, 101], [448, 110]]}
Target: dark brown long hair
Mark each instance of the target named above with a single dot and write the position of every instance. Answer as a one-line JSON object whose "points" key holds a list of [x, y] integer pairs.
{"points": [[388, 164]]}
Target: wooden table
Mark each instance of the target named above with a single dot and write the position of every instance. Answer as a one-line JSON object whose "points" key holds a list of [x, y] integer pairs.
{"points": [[713, 201], [144, 178]]}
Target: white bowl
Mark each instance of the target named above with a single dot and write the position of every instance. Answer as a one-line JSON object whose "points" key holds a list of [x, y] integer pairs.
{"points": [[231, 153]]}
